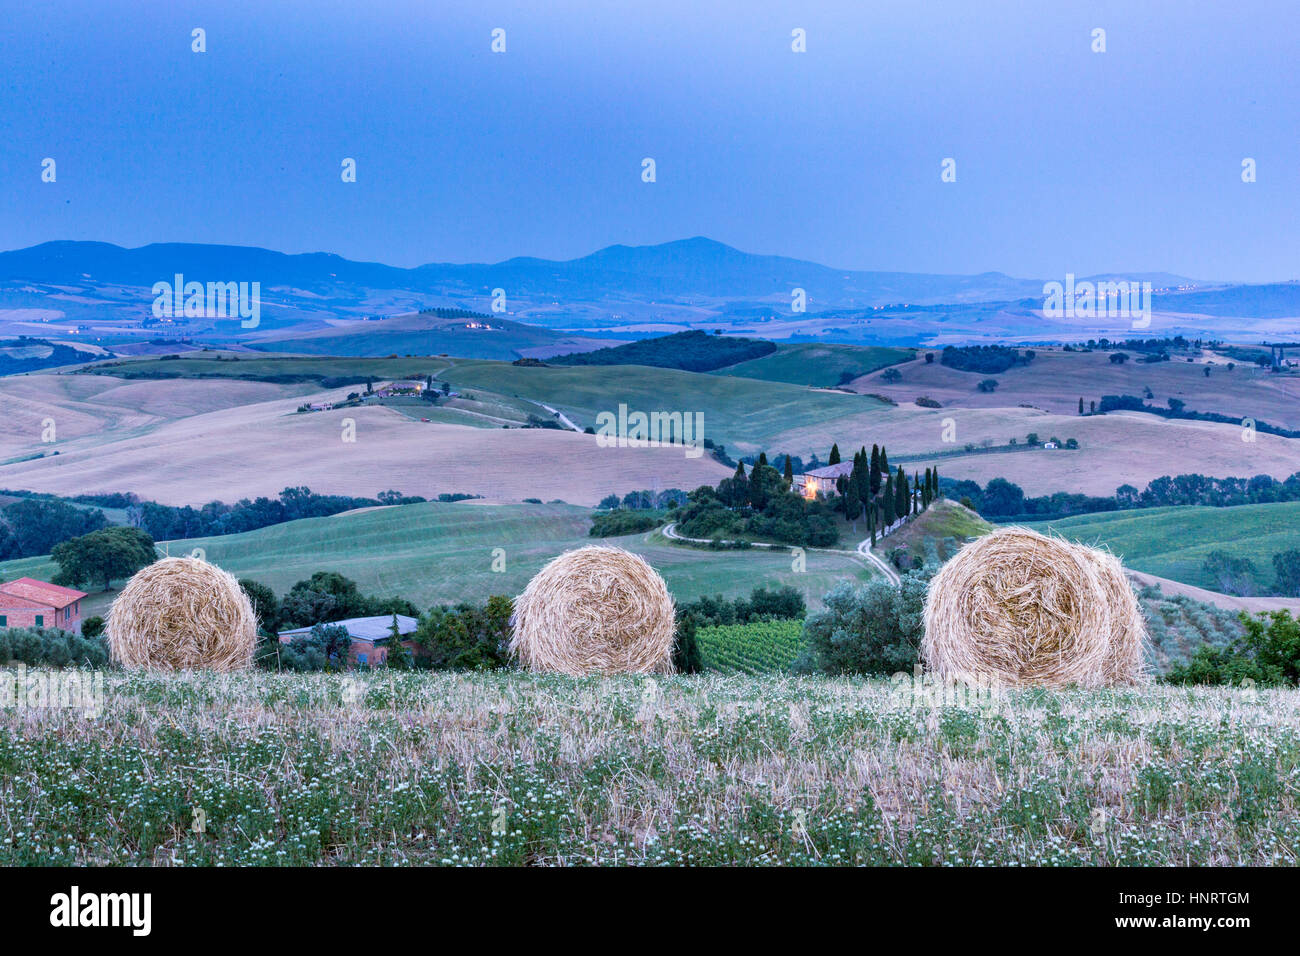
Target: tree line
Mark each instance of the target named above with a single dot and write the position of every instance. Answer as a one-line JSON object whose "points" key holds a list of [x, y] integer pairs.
{"points": [[1002, 500], [872, 490], [34, 524]]}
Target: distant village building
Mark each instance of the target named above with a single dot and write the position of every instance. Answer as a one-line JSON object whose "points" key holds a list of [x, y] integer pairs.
{"points": [[1050, 444], [371, 637], [27, 602], [822, 480], [321, 406], [393, 389]]}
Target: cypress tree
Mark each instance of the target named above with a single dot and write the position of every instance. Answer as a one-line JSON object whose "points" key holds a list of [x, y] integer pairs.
{"points": [[740, 471], [900, 490], [835, 455], [1080, 404], [890, 501], [875, 471], [789, 472], [884, 462], [762, 459]]}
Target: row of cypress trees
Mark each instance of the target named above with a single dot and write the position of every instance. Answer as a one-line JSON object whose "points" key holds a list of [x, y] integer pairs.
{"points": [[873, 489]]}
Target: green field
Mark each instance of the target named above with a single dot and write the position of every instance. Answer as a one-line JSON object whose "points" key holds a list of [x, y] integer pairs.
{"points": [[270, 368], [438, 553], [741, 413], [816, 364], [410, 339], [1173, 542], [761, 647], [416, 768], [944, 524]]}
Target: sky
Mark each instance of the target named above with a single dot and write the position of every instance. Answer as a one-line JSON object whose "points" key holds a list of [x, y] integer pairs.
{"points": [[1066, 159]]}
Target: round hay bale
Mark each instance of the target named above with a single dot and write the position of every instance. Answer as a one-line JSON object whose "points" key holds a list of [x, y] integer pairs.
{"points": [[1018, 608], [1126, 662], [182, 614], [596, 610]]}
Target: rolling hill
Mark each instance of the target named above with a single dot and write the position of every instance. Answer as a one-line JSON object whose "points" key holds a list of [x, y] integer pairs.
{"points": [[1174, 542], [816, 364], [1055, 381], [423, 334], [443, 553], [742, 413]]}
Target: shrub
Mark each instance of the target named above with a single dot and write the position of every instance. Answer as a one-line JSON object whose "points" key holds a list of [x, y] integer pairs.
{"points": [[1268, 653], [686, 646], [466, 637], [38, 647], [265, 604], [1231, 575], [762, 605], [871, 629], [325, 648], [621, 521]]}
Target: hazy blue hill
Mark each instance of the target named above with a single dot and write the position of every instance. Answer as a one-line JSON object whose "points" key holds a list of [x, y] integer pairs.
{"points": [[687, 267], [1272, 301]]}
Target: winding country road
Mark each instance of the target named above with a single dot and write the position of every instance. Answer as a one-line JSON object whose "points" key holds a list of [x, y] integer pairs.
{"points": [[863, 550], [564, 419]]}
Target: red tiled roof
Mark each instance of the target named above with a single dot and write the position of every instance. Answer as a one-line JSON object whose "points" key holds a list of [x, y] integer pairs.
{"points": [[42, 592]]}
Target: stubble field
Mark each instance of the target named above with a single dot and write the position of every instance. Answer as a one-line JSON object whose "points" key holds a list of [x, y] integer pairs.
{"points": [[513, 769]]}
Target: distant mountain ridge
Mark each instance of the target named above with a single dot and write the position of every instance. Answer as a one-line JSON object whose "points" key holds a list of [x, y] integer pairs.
{"points": [[682, 268], [322, 303]]}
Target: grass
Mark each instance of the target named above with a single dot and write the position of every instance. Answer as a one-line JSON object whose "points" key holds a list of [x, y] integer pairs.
{"points": [[438, 553], [1174, 542], [427, 334], [945, 522], [817, 364], [512, 769], [270, 368], [762, 647], [742, 413]]}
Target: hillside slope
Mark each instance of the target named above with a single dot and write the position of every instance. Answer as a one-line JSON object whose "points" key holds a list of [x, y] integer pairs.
{"points": [[1174, 542], [264, 447], [444, 553]]}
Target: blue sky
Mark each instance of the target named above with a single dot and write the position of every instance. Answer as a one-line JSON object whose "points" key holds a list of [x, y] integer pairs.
{"points": [[1067, 160]]}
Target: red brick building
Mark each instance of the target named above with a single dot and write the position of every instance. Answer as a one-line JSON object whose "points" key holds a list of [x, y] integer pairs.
{"points": [[27, 602]]}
